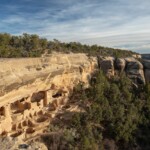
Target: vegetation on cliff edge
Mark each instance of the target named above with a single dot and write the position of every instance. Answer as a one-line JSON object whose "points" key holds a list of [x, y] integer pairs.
{"points": [[28, 45]]}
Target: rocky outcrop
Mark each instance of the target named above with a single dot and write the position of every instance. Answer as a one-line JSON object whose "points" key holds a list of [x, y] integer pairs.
{"points": [[120, 64], [107, 65], [138, 71], [134, 70]]}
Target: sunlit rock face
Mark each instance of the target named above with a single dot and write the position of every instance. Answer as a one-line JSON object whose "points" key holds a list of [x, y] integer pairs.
{"points": [[34, 89]]}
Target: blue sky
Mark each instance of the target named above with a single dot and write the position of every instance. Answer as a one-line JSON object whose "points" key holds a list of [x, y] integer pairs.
{"points": [[113, 23]]}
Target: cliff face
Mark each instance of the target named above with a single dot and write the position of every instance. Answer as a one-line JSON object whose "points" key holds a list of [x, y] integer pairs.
{"points": [[138, 71], [34, 89], [18, 72]]}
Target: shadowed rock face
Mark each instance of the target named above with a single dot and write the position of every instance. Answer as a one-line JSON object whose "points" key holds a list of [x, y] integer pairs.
{"points": [[120, 64], [134, 70], [138, 71], [107, 65], [132, 63]]}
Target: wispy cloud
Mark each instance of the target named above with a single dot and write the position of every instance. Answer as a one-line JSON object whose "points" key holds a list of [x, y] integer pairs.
{"points": [[115, 23]]}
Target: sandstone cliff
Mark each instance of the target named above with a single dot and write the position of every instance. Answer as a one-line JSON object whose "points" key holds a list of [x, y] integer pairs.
{"points": [[33, 90], [138, 71]]}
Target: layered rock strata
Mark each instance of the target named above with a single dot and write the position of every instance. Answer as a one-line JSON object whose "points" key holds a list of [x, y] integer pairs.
{"points": [[34, 89]]}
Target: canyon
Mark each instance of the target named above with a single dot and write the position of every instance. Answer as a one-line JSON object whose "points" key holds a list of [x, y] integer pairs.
{"points": [[34, 90]]}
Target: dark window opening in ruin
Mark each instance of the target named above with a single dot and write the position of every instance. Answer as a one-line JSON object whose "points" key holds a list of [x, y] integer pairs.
{"points": [[22, 100], [14, 127], [51, 107], [4, 133], [41, 119], [58, 94], [14, 105], [19, 106], [40, 113], [35, 113], [30, 115], [24, 123], [27, 105], [2, 111], [23, 146], [38, 104], [17, 112], [30, 123], [30, 130], [37, 97], [19, 126]]}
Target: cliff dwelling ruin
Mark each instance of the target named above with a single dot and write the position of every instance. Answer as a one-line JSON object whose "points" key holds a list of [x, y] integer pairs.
{"points": [[30, 98]]}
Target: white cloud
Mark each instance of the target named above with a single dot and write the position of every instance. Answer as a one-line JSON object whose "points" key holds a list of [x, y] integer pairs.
{"points": [[13, 19], [110, 23]]}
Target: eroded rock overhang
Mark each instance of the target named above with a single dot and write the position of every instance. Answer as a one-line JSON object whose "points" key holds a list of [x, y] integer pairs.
{"points": [[32, 89]]}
